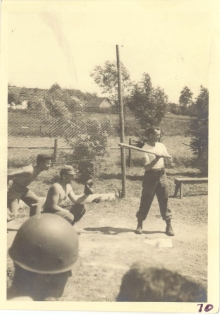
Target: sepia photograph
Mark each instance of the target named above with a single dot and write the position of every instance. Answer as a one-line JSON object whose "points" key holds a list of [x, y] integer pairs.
{"points": [[109, 167]]}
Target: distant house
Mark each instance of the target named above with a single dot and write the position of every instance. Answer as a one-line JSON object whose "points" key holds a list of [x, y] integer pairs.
{"points": [[98, 104], [23, 105]]}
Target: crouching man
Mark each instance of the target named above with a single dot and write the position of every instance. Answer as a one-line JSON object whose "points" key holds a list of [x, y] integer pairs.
{"points": [[43, 258], [60, 192], [19, 182]]}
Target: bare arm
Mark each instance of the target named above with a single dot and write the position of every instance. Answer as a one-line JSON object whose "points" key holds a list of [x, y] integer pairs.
{"points": [[76, 199], [53, 199], [19, 173]]}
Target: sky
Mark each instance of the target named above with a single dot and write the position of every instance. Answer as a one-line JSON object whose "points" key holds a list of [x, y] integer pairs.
{"points": [[62, 43]]}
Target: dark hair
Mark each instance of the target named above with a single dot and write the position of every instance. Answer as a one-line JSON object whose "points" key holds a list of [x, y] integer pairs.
{"points": [[151, 130], [142, 284], [43, 157]]}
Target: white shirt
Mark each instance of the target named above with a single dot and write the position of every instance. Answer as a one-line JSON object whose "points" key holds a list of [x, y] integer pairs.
{"points": [[158, 149]]}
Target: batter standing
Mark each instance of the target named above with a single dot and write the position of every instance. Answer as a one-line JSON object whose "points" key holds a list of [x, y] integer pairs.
{"points": [[154, 181]]}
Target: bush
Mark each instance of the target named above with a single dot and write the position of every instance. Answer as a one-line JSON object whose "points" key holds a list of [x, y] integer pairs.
{"points": [[89, 149], [199, 130], [202, 162]]}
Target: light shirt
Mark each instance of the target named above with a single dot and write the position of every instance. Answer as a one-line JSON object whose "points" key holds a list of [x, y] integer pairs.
{"points": [[158, 149]]}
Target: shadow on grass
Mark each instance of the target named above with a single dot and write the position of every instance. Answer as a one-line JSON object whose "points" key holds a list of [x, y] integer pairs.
{"points": [[108, 230]]}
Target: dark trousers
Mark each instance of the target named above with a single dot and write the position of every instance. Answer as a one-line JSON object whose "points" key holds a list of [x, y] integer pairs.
{"points": [[154, 182], [17, 193], [74, 215]]}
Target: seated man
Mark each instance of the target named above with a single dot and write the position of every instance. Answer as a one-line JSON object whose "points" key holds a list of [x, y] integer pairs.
{"points": [[144, 284], [19, 180], [60, 192], [44, 251]]}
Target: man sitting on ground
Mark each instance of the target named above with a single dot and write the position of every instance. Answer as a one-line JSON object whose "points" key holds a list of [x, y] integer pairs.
{"points": [[19, 180], [60, 192]]}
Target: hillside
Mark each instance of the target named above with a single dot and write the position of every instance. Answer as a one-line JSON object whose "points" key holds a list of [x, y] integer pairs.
{"points": [[28, 94], [29, 123]]}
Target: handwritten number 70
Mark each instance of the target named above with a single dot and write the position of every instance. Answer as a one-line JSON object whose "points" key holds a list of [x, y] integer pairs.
{"points": [[208, 307]]}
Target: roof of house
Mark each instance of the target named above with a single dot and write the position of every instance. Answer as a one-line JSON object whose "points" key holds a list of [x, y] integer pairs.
{"points": [[96, 101]]}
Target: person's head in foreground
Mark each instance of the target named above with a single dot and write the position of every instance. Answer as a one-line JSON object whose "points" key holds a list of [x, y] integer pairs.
{"points": [[44, 251], [143, 284]]}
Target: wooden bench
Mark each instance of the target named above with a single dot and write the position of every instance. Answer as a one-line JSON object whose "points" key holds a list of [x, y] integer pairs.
{"points": [[187, 180]]}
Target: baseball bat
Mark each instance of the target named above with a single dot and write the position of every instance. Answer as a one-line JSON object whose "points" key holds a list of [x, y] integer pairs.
{"points": [[139, 149]]}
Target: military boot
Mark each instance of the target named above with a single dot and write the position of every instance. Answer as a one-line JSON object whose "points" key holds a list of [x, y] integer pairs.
{"points": [[139, 227], [169, 230]]}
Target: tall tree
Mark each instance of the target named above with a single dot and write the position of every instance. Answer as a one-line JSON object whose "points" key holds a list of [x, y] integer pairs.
{"points": [[13, 98], [147, 103], [106, 78], [185, 98], [199, 130], [61, 106]]}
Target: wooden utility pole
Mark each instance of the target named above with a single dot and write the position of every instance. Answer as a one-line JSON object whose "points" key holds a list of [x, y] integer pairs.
{"points": [[129, 154], [121, 115]]}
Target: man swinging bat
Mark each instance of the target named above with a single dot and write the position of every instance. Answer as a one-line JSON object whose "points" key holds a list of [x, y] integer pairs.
{"points": [[154, 181], [59, 194]]}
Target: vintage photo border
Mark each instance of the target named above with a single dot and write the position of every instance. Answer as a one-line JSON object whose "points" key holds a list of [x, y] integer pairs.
{"points": [[213, 186]]}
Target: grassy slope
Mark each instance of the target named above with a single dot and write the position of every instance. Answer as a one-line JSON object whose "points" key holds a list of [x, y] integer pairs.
{"points": [[172, 125]]}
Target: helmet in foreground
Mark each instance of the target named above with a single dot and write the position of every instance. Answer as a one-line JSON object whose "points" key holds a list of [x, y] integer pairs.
{"points": [[45, 244]]}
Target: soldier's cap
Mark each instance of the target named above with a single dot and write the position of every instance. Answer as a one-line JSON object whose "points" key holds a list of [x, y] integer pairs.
{"points": [[67, 169]]}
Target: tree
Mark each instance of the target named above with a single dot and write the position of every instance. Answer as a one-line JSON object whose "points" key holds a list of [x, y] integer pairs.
{"points": [[66, 122], [185, 98], [39, 106], [106, 77], [13, 98], [147, 103], [72, 104], [174, 108], [199, 130]]}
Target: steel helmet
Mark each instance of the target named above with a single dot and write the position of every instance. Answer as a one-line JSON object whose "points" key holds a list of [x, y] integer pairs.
{"points": [[45, 243]]}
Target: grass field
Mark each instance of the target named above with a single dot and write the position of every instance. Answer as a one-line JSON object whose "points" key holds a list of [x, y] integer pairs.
{"points": [[30, 124], [108, 245]]}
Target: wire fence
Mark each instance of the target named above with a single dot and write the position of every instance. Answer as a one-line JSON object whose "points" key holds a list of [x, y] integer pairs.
{"points": [[77, 131]]}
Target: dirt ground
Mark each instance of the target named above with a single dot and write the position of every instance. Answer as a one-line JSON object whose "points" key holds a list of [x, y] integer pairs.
{"points": [[108, 245]]}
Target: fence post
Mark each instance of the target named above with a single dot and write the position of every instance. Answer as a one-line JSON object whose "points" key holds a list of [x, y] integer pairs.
{"points": [[56, 147], [129, 154]]}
